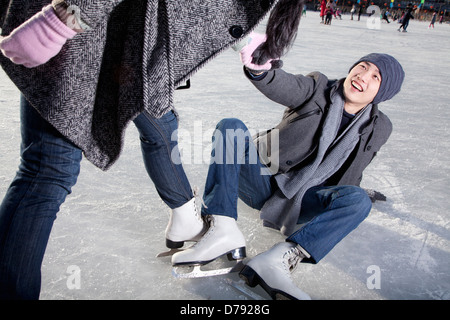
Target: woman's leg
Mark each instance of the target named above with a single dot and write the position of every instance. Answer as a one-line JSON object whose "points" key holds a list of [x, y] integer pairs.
{"points": [[158, 142], [49, 167]]}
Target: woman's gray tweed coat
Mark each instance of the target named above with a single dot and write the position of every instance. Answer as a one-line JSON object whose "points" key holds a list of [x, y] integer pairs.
{"points": [[133, 57]]}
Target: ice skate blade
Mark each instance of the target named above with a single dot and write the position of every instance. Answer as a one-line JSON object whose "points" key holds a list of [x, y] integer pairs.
{"points": [[241, 287], [169, 253], [237, 254], [197, 272]]}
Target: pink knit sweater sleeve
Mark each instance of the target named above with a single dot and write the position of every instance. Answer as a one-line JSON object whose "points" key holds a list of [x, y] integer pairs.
{"points": [[37, 40]]}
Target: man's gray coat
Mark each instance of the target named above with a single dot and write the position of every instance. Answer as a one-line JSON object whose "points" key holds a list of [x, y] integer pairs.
{"points": [[308, 99]]}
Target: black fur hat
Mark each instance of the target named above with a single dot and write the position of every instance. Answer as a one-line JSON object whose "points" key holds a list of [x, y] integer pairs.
{"points": [[281, 30]]}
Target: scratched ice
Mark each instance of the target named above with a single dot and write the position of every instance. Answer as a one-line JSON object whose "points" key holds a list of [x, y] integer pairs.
{"points": [[112, 226]]}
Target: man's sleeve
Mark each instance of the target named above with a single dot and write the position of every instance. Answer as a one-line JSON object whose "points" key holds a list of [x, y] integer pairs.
{"points": [[284, 88]]}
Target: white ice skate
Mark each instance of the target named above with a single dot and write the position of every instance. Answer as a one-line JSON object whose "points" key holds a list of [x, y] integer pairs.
{"points": [[222, 238], [185, 225], [272, 271]]}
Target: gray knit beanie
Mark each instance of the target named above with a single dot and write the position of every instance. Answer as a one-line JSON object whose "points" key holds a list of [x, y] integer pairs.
{"points": [[392, 75]]}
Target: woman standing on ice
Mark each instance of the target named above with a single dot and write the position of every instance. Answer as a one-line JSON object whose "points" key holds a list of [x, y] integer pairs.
{"points": [[323, 6], [330, 132], [86, 68], [433, 20]]}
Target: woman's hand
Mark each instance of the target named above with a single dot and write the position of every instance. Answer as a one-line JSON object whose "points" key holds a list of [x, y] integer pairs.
{"points": [[254, 40], [37, 40]]}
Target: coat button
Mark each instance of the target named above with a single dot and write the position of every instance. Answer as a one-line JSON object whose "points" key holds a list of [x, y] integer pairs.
{"points": [[265, 4], [236, 31], [289, 162]]}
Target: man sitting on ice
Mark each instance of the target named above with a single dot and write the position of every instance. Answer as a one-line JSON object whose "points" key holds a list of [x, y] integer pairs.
{"points": [[330, 132]]}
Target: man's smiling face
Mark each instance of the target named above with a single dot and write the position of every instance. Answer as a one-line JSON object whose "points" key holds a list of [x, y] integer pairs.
{"points": [[362, 85]]}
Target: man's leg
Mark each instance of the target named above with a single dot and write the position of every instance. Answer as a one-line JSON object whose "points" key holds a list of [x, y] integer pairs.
{"points": [[332, 213], [158, 141], [235, 170], [49, 167]]}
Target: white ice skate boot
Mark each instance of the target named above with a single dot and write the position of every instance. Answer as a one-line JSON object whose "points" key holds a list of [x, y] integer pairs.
{"points": [[223, 237], [272, 271], [185, 224]]}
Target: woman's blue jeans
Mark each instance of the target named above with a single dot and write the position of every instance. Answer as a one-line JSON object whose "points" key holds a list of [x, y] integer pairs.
{"points": [[328, 213], [49, 168]]}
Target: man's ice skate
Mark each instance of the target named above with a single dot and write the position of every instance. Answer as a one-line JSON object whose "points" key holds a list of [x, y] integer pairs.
{"points": [[185, 225], [223, 238], [272, 271]]}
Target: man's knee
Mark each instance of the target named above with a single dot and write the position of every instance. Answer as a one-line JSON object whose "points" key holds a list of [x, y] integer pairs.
{"points": [[359, 200]]}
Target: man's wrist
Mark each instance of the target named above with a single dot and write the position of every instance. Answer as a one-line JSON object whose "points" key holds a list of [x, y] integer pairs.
{"points": [[255, 73]]}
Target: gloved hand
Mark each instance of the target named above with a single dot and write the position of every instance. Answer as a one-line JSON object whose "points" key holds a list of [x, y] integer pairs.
{"points": [[254, 40], [375, 195], [37, 40]]}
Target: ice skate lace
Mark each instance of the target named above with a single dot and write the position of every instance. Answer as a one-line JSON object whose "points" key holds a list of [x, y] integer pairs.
{"points": [[198, 213], [198, 198], [292, 258], [209, 224]]}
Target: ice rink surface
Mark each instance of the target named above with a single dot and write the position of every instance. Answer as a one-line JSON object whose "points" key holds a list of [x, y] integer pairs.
{"points": [[111, 228]]}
